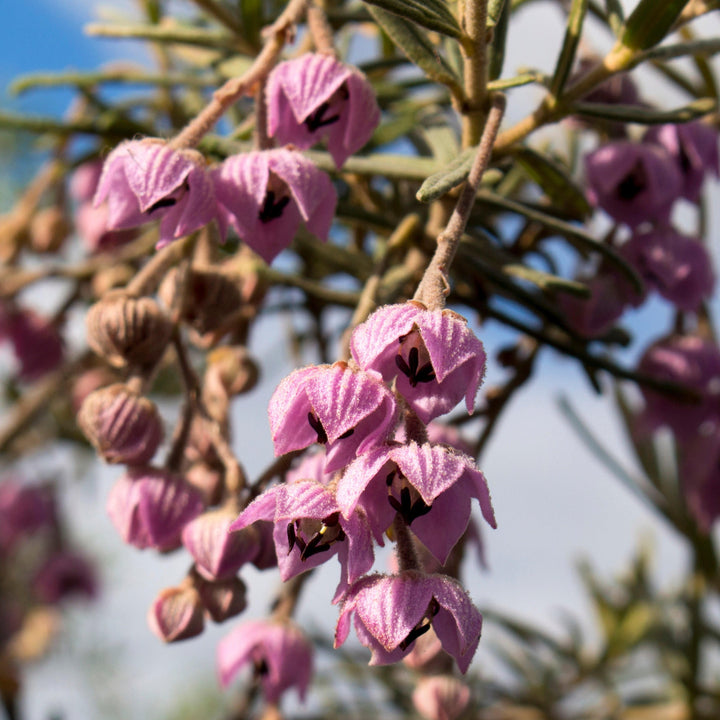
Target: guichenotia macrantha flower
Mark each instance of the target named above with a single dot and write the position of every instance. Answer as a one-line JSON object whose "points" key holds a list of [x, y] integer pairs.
{"points": [[264, 196], [346, 410], [429, 485], [392, 611], [316, 96], [436, 358], [309, 529], [145, 180]]}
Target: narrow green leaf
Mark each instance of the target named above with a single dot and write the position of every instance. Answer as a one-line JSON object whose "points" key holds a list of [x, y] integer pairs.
{"points": [[496, 51], [517, 81], [430, 14], [555, 181], [416, 45], [446, 179], [646, 116], [573, 30], [616, 15], [495, 9], [706, 48], [650, 22], [546, 281]]}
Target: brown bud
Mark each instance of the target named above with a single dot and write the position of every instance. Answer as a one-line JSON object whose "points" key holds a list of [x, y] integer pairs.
{"points": [[177, 614], [128, 331], [124, 427], [49, 229]]}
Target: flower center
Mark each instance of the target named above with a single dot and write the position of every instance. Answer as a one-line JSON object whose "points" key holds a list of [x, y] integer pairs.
{"points": [[272, 208], [322, 437], [413, 359], [404, 498], [317, 119], [170, 200], [423, 626], [315, 536], [633, 183]]}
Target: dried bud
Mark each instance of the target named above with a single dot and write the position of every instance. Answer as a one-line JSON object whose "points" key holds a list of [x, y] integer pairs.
{"points": [[49, 229], [222, 599], [123, 426], [125, 330], [177, 614], [440, 697], [232, 369], [207, 481], [211, 299]]}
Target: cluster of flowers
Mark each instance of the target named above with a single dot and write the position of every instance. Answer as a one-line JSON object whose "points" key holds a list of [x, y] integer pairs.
{"points": [[264, 194], [378, 469], [37, 568]]}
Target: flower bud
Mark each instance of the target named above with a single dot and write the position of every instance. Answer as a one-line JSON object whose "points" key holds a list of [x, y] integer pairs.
{"points": [[440, 697], [125, 330], [123, 426], [222, 599], [177, 614], [49, 229]]}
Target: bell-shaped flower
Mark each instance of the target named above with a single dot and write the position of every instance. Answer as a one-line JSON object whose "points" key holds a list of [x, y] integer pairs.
{"points": [[150, 507], [440, 697], [145, 180], [433, 354], [177, 614], [309, 530], [217, 552], [677, 266], [279, 652], [392, 611], [694, 146], [264, 196], [316, 96], [65, 574], [346, 410], [633, 182], [689, 361], [429, 485]]}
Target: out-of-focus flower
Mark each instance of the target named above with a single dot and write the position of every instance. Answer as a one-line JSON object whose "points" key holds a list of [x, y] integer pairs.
{"points": [[279, 652], [346, 410], [316, 96], [433, 354], [145, 180], [24, 509], [177, 614], [633, 182], [222, 599], [392, 611], [694, 146], [440, 697], [265, 195], [65, 574]]}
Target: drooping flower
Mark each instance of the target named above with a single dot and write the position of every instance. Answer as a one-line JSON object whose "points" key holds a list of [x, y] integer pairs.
{"points": [[675, 265], [391, 611], [346, 410], [177, 614], [281, 656], [440, 697], [433, 354], [694, 146], [692, 362], [315, 97], [429, 485], [150, 507], [309, 529], [633, 182], [264, 196], [145, 180], [63, 575]]}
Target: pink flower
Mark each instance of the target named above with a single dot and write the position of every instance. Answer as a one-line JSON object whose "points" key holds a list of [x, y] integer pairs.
{"points": [[279, 652], [690, 361], [316, 96], [346, 410], [633, 182], [65, 574], [145, 180], [310, 467], [150, 507], [440, 697], [694, 146], [699, 474], [677, 266], [309, 530], [265, 195], [429, 485], [23, 511], [391, 611], [433, 354]]}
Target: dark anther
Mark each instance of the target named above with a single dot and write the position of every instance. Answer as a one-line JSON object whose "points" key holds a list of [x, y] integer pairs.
{"points": [[633, 183], [162, 203], [315, 546], [414, 634], [408, 510], [346, 434], [272, 209], [410, 368], [317, 120], [389, 479], [261, 667], [316, 425], [294, 539]]}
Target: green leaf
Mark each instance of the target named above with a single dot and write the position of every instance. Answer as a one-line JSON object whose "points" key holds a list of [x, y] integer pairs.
{"points": [[495, 9], [517, 81], [416, 45], [573, 30], [501, 22], [650, 22], [646, 116], [555, 181], [706, 48], [451, 176], [616, 15], [546, 281], [430, 14]]}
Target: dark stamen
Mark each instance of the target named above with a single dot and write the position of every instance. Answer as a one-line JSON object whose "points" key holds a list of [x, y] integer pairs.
{"points": [[633, 183], [346, 434], [162, 203], [317, 426], [413, 635], [317, 120], [272, 209], [410, 368]]}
